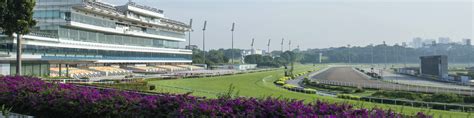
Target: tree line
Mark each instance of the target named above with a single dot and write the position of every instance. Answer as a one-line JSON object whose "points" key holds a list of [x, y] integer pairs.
{"points": [[457, 53]]}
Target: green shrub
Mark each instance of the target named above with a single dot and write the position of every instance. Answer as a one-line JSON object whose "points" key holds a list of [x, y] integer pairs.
{"points": [[308, 90], [399, 95], [289, 86], [445, 98], [359, 90], [347, 96], [280, 82]]}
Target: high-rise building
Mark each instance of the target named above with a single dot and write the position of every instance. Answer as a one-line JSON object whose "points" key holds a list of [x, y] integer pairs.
{"points": [[91, 32], [444, 40], [429, 42], [466, 41], [417, 42]]}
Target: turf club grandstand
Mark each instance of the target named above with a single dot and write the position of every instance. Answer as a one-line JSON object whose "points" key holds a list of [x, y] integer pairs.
{"points": [[90, 38]]}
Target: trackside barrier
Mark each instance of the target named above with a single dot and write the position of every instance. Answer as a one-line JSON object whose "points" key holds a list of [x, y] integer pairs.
{"points": [[421, 104], [397, 87]]}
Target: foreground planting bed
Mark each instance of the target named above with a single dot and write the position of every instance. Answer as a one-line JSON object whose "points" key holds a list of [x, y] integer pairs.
{"points": [[34, 97]]}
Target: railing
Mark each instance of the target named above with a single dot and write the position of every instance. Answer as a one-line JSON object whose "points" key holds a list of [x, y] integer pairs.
{"points": [[390, 86], [43, 34], [421, 104], [146, 7]]}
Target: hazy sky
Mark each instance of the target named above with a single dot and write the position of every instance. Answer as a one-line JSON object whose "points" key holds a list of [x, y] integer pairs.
{"points": [[319, 23]]}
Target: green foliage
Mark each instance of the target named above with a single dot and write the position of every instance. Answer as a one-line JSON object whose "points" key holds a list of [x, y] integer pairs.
{"points": [[5, 110], [347, 96], [55, 77], [342, 89], [229, 94], [289, 86], [439, 97], [289, 59], [17, 16], [399, 95], [213, 57], [309, 90], [261, 61], [445, 98], [280, 82]]}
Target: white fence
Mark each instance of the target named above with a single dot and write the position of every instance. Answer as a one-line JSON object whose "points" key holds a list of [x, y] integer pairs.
{"points": [[399, 87]]}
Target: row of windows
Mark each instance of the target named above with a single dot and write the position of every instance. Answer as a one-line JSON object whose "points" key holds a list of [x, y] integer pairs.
{"points": [[95, 37], [73, 52], [92, 20], [48, 14]]}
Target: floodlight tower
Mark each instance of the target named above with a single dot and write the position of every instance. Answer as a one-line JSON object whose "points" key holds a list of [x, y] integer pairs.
{"points": [[253, 41], [372, 55], [385, 55], [282, 42], [269, 52], [232, 51], [289, 45], [189, 33], [349, 49], [204, 41]]}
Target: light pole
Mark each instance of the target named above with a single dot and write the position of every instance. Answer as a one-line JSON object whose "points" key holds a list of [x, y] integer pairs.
{"points": [[232, 51], [282, 41], [405, 57], [269, 52], [349, 49], [385, 55], [204, 41], [372, 55], [253, 41], [189, 34], [289, 45]]}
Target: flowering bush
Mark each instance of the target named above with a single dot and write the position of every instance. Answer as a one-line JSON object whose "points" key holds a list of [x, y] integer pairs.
{"points": [[35, 97]]}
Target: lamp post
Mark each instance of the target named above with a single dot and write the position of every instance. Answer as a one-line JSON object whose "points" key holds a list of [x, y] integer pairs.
{"points": [[282, 41], [204, 41], [385, 55], [253, 41], [349, 49], [232, 51], [289, 45], [189, 33], [269, 52]]}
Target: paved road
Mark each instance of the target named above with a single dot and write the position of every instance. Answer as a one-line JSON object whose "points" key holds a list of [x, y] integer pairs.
{"points": [[347, 76]]}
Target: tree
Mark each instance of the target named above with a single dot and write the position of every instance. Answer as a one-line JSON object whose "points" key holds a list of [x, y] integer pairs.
{"points": [[17, 19], [290, 58]]}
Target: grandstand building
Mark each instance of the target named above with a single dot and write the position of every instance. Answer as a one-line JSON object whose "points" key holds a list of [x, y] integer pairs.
{"points": [[77, 37]]}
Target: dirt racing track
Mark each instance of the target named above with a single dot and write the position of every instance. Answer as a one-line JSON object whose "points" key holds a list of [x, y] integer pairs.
{"points": [[347, 76]]}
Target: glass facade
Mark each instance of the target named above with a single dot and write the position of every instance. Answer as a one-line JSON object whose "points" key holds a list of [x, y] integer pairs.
{"points": [[91, 20], [97, 37], [49, 14], [54, 53], [28, 68]]}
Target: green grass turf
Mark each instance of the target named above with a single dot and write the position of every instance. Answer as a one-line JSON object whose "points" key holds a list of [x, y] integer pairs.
{"points": [[260, 84]]}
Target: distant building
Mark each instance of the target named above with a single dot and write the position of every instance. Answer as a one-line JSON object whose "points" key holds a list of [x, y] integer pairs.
{"points": [[404, 44], [417, 42], [429, 42], [466, 41], [192, 47], [434, 66], [444, 40], [239, 66], [252, 51]]}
